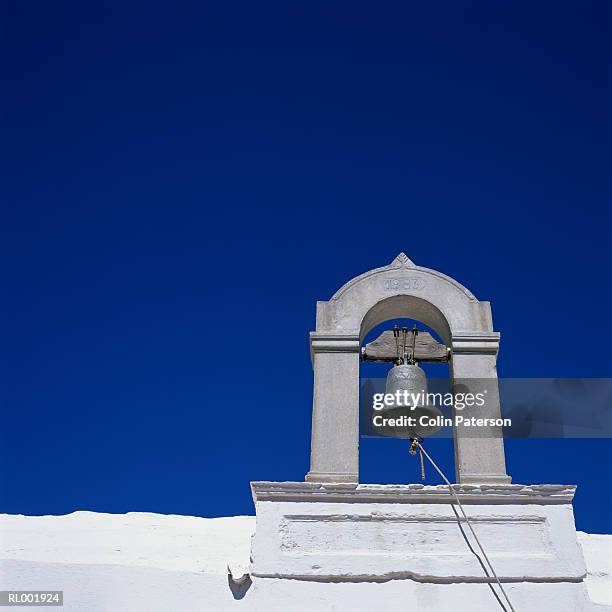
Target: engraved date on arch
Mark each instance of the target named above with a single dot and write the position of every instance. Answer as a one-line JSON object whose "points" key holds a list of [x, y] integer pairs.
{"points": [[404, 284]]}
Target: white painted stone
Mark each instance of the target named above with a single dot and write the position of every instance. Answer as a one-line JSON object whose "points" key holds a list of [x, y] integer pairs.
{"points": [[399, 595], [142, 562], [380, 532], [597, 551]]}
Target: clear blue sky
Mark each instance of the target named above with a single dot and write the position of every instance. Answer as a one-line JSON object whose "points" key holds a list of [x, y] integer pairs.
{"points": [[180, 180]]}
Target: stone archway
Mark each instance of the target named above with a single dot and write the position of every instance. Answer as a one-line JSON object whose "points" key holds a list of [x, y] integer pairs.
{"points": [[401, 289]]}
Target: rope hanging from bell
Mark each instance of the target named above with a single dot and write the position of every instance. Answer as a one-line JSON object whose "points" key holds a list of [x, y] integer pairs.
{"points": [[414, 446]]}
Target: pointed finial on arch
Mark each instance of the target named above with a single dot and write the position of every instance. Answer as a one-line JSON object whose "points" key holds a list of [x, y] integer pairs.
{"points": [[402, 261]]}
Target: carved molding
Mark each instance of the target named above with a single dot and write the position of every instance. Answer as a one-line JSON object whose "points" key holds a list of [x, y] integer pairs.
{"points": [[475, 344], [412, 493]]}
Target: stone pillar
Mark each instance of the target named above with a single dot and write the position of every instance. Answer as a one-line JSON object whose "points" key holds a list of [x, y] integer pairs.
{"points": [[479, 452], [334, 455]]}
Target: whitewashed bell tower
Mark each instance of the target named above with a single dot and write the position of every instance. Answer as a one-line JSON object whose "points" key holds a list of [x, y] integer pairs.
{"points": [[399, 290], [409, 537]]}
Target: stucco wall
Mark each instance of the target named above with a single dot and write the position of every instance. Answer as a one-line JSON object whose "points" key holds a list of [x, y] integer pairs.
{"points": [[140, 562]]}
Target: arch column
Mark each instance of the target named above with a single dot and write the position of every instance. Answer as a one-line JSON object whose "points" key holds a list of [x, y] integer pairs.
{"points": [[334, 454], [479, 452]]}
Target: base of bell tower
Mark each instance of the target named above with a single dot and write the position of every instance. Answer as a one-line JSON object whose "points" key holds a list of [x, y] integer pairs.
{"points": [[347, 532]]}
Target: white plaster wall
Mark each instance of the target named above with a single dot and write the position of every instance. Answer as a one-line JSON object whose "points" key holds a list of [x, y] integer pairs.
{"points": [[364, 540], [597, 551], [149, 563]]}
